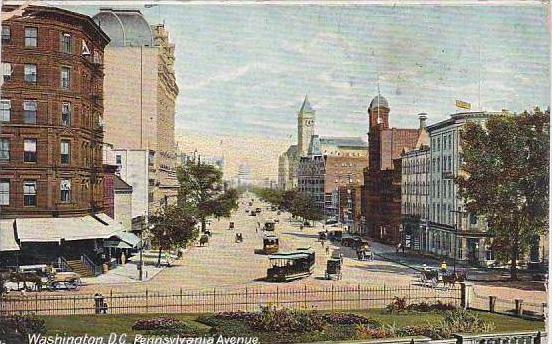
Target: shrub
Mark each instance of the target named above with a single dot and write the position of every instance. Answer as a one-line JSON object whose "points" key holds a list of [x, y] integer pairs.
{"points": [[163, 325], [14, 329], [364, 331], [286, 320], [457, 321], [348, 319], [399, 305]]}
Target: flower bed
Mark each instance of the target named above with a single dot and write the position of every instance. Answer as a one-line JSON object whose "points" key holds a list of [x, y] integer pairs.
{"points": [[163, 325]]}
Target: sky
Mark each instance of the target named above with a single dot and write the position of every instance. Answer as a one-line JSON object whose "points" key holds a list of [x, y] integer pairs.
{"points": [[244, 70]]}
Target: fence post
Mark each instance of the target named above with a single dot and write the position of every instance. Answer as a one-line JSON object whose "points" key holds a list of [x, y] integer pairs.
{"points": [[277, 297], [214, 300], [305, 295], [246, 300], [36, 304], [358, 295], [332, 297], [147, 302], [492, 303], [466, 289], [519, 307], [181, 301]]}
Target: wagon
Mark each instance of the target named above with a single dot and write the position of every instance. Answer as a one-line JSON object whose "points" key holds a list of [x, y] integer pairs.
{"points": [[64, 280], [270, 244], [333, 268]]}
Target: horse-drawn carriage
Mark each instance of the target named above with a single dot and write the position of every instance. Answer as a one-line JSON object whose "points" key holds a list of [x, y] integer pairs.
{"points": [[269, 226], [364, 253], [322, 235], [204, 239], [231, 225], [239, 238], [36, 281], [335, 235], [434, 277], [290, 265], [270, 244], [333, 268]]}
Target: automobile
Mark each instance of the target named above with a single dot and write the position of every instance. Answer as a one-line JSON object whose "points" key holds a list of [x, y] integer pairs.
{"points": [[289, 266], [335, 235], [331, 221], [253, 213], [231, 225]]}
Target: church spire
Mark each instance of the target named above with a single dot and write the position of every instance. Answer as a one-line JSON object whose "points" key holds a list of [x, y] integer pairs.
{"points": [[306, 107]]}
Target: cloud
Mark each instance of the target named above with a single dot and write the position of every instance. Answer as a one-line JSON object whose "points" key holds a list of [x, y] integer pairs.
{"points": [[225, 76]]}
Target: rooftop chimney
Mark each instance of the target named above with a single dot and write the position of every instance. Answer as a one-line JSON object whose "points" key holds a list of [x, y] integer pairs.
{"points": [[423, 118]]}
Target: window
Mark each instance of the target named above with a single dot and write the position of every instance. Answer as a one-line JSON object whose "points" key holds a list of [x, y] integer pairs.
{"points": [[29, 193], [66, 43], [438, 143], [29, 111], [438, 164], [66, 114], [29, 150], [4, 149], [30, 73], [4, 192], [7, 71], [473, 219], [65, 152], [65, 189], [5, 110], [31, 37], [6, 34], [65, 78]]}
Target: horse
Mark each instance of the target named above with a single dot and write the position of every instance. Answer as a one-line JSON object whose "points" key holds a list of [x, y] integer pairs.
{"points": [[203, 240], [25, 277]]}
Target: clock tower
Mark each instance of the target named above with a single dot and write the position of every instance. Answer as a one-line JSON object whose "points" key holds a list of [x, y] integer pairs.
{"points": [[305, 126]]}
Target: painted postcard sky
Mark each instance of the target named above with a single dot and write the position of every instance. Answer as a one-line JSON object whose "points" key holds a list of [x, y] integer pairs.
{"points": [[243, 70]]}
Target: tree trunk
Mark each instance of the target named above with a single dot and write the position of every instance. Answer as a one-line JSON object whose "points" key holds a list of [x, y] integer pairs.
{"points": [[159, 257], [513, 263], [203, 225]]}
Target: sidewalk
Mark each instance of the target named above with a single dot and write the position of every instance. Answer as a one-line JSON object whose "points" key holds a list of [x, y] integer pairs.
{"points": [[128, 273]]}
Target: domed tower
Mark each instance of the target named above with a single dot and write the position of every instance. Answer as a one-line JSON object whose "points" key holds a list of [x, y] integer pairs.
{"points": [[379, 112], [305, 126]]}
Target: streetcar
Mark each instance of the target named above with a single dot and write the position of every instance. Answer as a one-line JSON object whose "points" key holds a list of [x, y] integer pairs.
{"points": [[270, 244], [290, 266]]}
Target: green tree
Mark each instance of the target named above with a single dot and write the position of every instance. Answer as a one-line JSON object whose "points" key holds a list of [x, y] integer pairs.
{"points": [[202, 192], [505, 178], [172, 227], [272, 196], [304, 206]]}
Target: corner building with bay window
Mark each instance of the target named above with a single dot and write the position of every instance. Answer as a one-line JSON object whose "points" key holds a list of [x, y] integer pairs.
{"points": [[51, 136]]}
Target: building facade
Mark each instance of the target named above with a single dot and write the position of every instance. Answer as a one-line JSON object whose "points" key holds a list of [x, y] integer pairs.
{"points": [[141, 91], [451, 230], [415, 164], [382, 210], [288, 162], [51, 172]]}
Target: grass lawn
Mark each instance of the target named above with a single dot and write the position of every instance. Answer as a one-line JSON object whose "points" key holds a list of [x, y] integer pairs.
{"points": [[104, 324]]}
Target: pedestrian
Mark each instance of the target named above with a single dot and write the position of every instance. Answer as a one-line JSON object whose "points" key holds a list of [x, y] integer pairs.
{"points": [[322, 243], [257, 229], [327, 250], [341, 257]]}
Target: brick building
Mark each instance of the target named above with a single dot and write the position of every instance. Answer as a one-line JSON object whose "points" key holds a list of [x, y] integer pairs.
{"points": [[51, 174], [382, 208]]}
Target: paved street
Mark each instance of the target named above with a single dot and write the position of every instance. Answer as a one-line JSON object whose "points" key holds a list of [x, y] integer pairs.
{"points": [[225, 264]]}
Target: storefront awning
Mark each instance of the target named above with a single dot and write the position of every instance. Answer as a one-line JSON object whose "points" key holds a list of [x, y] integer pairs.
{"points": [[117, 244], [121, 233], [55, 229], [7, 236]]}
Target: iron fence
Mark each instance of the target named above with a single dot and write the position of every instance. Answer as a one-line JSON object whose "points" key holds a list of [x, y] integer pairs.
{"points": [[206, 301]]}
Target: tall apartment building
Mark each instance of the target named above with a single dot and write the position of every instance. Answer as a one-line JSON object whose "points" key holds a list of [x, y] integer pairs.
{"points": [[140, 93], [451, 230], [415, 164], [51, 173]]}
